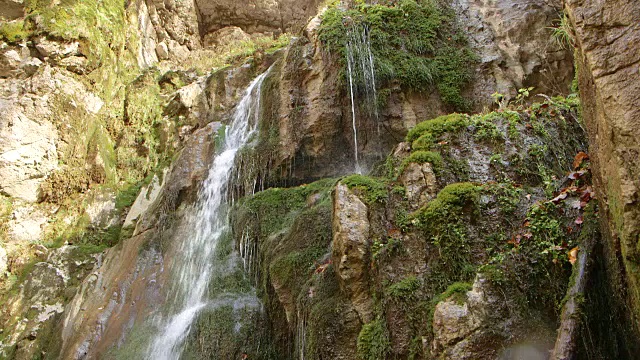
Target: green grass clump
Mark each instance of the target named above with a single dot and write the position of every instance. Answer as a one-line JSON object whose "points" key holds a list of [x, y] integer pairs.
{"points": [[374, 190], [373, 341], [414, 42]]}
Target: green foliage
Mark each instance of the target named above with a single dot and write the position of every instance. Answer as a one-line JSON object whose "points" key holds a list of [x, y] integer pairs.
{"points": [[415, 43], [563, 33], [374, 190], [373, 341], [486, 129], [548, 232], [507, 195], [385, 248]]}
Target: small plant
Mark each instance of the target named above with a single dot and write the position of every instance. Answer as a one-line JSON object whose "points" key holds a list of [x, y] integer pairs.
{"points": [[563, 33], [500, 100], [523, 94]]}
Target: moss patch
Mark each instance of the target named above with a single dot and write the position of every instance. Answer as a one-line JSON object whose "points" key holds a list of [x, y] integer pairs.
{"points": [[373, 341]]}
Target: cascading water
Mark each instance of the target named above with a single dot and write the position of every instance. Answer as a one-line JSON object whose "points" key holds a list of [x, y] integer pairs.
{"points": [[362, 80], [209, 222]]}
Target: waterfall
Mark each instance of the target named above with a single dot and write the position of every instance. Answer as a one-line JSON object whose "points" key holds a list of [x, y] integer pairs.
{"points": [[208, 222], [301, 336], [362, 79]]}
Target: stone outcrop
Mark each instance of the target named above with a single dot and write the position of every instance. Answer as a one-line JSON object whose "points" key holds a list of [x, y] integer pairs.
{"points": [[29, 129], [420, 183], [477, 324], [262, 16], [350, 249], [167, 30], [608, 58], [33, 314], [514, 42]]}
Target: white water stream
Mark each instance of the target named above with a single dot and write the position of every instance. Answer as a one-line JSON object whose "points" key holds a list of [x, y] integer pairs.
{"points": [[362, 80], [208, 222]]}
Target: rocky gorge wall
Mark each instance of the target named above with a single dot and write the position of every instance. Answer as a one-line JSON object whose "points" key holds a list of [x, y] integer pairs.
{"points": [[608, 63], [121, 123]]}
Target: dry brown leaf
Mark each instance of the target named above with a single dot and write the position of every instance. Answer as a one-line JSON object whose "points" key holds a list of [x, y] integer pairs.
{"points": [[580, 157], [573, 255]]}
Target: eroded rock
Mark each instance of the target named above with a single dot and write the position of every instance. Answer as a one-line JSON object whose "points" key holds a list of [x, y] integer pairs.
{"points": [[420, 182], [350, 249], [515, 46]]}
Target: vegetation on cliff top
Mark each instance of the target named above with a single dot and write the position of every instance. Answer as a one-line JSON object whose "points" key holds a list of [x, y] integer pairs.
{"points": [[415, 43]]}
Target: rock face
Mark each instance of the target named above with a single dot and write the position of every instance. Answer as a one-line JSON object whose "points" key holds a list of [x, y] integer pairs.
{"points": [[420, 182], [168, 30], [127, 286], [34, 313], [262, 16], [350, 249], [29, 138], [516, 48], [608, 59], [472, 325]]}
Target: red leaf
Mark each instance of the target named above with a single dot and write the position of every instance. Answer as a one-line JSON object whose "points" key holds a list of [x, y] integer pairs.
{"points": [[580, 157], [515, 240]]}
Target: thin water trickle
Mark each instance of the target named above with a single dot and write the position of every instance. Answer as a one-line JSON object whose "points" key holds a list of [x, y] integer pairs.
{"points": [[362, 80], [208, 222]]}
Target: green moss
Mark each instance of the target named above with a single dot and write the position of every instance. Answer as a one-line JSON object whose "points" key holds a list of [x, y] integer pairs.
{"points": [[277, 208], [294, 267], [373, 190], [456, 291], [415, 43], [451, 123], [421, 157], [404, 288], [13, 31], [444, 223], [373, 341]]}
